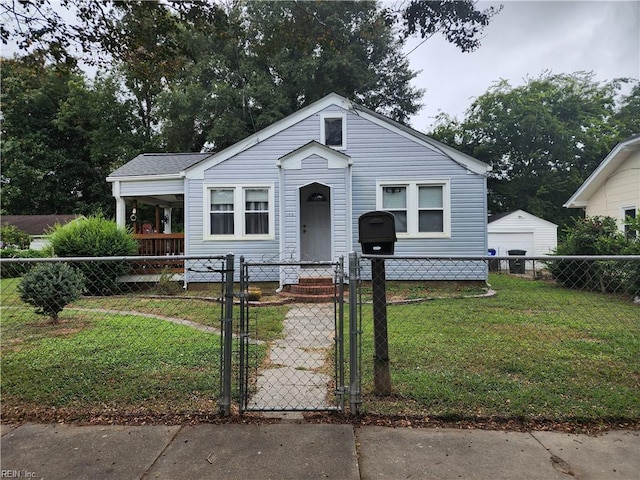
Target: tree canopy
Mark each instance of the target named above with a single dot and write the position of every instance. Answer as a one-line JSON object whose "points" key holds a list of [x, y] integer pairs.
{"points": [[543, 138], [61, 138], [187, 76]]}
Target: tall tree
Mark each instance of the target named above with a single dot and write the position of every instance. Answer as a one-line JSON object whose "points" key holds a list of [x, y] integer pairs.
{"points": [[281, 56], [190, 75], [542, 138], [307, 50], [61, 137]]}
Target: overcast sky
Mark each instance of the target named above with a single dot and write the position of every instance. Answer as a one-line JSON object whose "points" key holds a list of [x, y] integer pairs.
{"points": [[525, 39]]}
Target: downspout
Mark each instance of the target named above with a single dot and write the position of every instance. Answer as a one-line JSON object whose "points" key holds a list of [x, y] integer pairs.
{"points": [[187, 223], [281, 229]]}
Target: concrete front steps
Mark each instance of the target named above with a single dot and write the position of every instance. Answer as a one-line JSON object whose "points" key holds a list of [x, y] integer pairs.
{"points": [[310, 290]]}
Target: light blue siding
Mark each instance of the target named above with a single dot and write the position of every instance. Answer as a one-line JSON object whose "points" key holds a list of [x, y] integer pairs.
{"points": [[378, 154]]}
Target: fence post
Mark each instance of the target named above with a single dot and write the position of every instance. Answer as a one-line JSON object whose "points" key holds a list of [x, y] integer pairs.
{"points": [[340, 333], [381, 374], [227, 336], [354, 335]]}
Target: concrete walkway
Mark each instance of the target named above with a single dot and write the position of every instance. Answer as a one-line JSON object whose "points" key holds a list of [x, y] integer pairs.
{"points": [[293, 376], [311, 451]]}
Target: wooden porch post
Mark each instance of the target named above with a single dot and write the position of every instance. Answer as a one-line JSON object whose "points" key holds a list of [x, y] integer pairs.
{"points": [[158, 219]]}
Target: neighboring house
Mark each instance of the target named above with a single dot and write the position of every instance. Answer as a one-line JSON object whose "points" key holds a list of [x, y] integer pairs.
{"points": [[613, 189], [296, 189], [38, 226], [520, 230]]}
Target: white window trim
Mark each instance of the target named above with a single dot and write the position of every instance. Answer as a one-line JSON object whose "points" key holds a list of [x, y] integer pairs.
{"points": [[238, 211], [343, 116], [412, 205]]}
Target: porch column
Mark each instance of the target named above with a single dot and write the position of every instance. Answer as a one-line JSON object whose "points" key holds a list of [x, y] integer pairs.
{"points": [[121, 208], [167, 219]]}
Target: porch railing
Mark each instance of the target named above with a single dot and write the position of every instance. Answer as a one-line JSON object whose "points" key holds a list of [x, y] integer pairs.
{"points": [[157, 245]]}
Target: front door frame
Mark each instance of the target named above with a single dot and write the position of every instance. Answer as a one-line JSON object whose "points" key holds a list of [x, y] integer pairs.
{"points": [[323, 225]]}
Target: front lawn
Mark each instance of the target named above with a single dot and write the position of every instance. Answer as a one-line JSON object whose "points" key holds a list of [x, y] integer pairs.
{"points": [[532, 351], [113, 356]]}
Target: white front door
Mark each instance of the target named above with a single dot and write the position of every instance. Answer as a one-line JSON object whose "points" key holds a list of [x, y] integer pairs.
{"points": [[315, 223]]}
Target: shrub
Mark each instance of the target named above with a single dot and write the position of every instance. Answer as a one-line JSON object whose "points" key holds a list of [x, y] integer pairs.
{"points": [[12, 236], [166, 285], [96, 237], [596, 236], [50, 287], [254, 294]]}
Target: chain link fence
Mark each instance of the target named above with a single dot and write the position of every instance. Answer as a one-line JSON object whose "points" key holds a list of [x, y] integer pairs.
{"points": [[135, 342], [548, 338]]}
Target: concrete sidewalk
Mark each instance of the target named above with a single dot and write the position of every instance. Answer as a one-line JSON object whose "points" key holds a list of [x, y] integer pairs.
{"points": [[311, 451]]}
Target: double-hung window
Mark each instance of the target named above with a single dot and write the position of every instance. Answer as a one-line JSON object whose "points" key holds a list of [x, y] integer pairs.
{"points": [[238, 211], [430, 208], [629, 212], [394, 200], [256, 211], [421, 209], [221, 212]]}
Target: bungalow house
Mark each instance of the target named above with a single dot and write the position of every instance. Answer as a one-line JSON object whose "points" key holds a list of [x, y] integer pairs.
{"points": [[295, 190], [613, 189]]}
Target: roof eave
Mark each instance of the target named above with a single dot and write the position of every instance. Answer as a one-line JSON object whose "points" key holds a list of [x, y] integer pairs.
{"points": [[133, 178], [581, 197]]}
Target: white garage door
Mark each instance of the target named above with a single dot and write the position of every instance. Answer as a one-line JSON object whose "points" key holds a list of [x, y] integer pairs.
{"points": [[503, 242]]}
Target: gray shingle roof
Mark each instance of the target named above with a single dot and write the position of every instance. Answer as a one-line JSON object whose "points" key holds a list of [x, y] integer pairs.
{"points": [[158, 164]]}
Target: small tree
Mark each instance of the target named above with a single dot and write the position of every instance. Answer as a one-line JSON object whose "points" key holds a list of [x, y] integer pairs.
{"points": [[96, 237], [50, 287]]}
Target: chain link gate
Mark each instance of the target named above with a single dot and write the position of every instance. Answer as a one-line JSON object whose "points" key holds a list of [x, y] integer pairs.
{"points": [[291, 353]]}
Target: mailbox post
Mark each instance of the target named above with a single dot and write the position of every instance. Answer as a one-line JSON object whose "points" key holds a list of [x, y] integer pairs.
{"points": [[377, 236]]}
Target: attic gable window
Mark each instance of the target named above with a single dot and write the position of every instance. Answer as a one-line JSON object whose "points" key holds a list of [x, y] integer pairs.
{"points": [[421, 208], [333, 131]]}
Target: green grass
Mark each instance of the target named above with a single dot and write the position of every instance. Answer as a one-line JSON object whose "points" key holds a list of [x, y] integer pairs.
{"points": [[99, 360], [531, 351], [124, 360]]}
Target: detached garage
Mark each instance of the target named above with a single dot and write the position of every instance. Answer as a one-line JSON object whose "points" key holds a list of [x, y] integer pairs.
{"points": [[520, 230]]}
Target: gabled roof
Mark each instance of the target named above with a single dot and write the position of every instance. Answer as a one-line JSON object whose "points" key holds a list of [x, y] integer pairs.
{"points": [[471, 164], [519, 214], [293, 160], [194, 165], [168, 164], [607, 167], [37, 224]]}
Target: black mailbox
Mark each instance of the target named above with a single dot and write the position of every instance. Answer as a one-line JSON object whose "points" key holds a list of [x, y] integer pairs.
{"points": [[377, 233]]}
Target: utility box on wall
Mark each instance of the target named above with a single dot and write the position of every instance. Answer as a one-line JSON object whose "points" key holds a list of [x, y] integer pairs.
{"points": [[377, 233]]}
